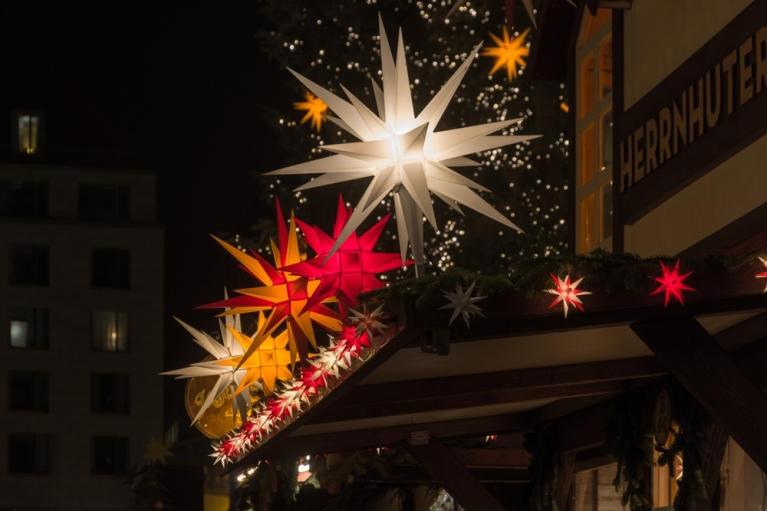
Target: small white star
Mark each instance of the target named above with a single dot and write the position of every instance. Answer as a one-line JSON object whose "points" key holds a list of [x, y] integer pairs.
{"points": [[367, 321], [463, 303], [567, 293]]}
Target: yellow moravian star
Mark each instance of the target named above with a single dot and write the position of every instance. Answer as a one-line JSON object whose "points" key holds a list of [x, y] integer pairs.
{"points": [[315, 110], [509, 52]]}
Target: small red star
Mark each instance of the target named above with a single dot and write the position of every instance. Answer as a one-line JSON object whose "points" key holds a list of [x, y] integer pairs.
{"points": [[567, 293], [672, 283], [763, 275]]}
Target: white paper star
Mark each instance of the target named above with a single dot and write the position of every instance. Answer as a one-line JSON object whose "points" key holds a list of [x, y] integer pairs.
{"points": [[463, 303], [226, 375], [567, 293], [368, 321], [402, 153]]}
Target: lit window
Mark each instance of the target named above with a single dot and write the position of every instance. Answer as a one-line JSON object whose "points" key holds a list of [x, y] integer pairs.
{"points": [[587, 224], [606, 211], [109, 331], [27, 134], [29, 328]]}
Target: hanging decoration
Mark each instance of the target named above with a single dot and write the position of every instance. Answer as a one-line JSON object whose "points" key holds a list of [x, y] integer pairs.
{"points": [[567, 293], [763, 275], [330, 366], [463, 303], [156, 450], [509, 53], [349, 271], [368, 322], [402, 153], [227, 376], [284, 293], [315, 108], [671, 283]]}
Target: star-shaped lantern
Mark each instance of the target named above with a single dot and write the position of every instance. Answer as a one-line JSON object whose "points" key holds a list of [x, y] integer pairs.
{"points": [[509, 52], [226, 375], [463, 303], [402, 153], [284, 293], [156, 451], [349, 271], [315, 108], [368, 321], [763, 275], [270, 361], [567, 293], [672, 283]]}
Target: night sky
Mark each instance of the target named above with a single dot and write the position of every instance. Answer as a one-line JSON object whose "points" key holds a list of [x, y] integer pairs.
{"points": [[182, 82]]}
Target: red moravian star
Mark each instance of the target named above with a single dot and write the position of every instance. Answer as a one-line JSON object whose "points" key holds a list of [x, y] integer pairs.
{"points": [[672, 283], [567, 293], [352, 269], [284, 293]]}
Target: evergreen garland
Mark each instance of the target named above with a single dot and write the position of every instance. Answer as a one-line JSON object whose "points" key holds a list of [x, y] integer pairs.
{"points": [[691, 440], [148, 492], [628, 440], [543, 444]]}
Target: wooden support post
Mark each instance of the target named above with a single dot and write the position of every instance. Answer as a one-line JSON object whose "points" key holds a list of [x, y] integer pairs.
{"points": [[566, 465], [704, 368], [453, 476]]}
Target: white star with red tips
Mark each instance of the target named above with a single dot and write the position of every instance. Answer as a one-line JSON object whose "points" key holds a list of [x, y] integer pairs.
{"points": [[763, 275], [567, 293], [402, 153], [368, 321]]}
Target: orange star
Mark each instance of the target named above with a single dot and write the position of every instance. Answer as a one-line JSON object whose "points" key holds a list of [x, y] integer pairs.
{"points": [[509, 52], [315, 110], [284, 293]]}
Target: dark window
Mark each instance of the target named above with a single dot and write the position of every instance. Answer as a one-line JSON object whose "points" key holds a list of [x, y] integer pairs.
{"points": [[110, 455], [109, 331], [29, 265], [110, 393], [28, 454], [28, 391], [111, 268], [28, 328], [24, 199], [104, 203]]}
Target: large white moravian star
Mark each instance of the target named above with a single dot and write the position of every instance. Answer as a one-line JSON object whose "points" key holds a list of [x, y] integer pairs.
{"points": [[402, 153]]}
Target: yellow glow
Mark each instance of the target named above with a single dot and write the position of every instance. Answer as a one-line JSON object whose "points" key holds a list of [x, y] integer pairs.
{"points": [[315, 110], [565, 107], [509, 52]]}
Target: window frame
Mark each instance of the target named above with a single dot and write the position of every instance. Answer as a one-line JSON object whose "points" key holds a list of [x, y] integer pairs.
{"points": [[121, 401], [122, 282], [121, 466], [37, 250], [39, 318], [41, 391], [40, 442], [15, 134], [96, 347]]}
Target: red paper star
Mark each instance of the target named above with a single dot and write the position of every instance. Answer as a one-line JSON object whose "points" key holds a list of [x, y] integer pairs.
{"points": [[672, 283], [763, 275], [567, 292], [284, 293], [352, 269]]}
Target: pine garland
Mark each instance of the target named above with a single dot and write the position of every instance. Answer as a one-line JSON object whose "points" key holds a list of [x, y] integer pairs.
{"points": [[543, 444], [629, 433]]}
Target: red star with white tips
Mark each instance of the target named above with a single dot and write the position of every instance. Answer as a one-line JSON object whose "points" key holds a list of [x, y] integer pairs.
{"points": [[672, 283], [567, 293], [763, 275], [350, 270]]}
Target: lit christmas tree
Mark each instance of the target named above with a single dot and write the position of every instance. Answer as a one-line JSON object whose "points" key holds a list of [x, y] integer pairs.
{"points": [[334, 43]]}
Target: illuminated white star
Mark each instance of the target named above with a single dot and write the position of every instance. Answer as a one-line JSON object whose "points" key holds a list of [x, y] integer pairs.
{"points": [[567, 292], [463, 303], [402, 153]]}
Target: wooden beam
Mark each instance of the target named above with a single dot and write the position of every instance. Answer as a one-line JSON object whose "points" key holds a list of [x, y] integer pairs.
{"points": [[453, 476], [413, 474], [705, 369], [564, 478]]}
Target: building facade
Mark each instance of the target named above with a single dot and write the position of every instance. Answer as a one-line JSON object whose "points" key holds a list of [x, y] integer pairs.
{"points": [[81, 281]]}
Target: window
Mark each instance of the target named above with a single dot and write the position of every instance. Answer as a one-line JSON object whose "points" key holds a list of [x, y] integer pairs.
{"points": [[109, 331], [594, 132], [110, 393], [28, 265], [27, 391], [104, 203], [24, 199], [28, 454], [28, 328], [111, 268], [110, 455], [27, 129]]}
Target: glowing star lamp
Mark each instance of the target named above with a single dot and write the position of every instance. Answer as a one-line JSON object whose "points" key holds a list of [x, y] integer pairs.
{"points": [[352, 269], [567, 293], [226, 375], [463, 303], [763, 275], [509, 52], [315, 110], [672, 284], [402, 153], [284, 293]]}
